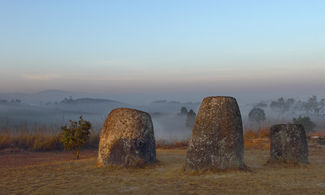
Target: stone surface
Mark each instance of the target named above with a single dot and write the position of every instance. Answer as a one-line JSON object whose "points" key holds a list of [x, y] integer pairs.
{"points": [[127, 139], [288, 144], [217, 138]]}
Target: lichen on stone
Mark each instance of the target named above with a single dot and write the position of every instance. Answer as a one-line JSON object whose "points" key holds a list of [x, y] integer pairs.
{"points": [[288, 144], [217, 137], [127, 139]]}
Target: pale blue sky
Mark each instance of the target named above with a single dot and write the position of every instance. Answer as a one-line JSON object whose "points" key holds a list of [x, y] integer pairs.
{"points": [[162, 46]]}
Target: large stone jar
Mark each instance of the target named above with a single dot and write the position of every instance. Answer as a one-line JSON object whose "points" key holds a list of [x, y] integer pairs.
{"points": [[217, 138], [127, 139]]}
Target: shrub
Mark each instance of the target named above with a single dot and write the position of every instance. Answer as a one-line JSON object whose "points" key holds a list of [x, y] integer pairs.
{"points": [[74, 136]]}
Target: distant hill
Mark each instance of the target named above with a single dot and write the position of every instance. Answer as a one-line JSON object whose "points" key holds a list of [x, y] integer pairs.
{"points": [[57, 113], [88, 101], [43, 97]]}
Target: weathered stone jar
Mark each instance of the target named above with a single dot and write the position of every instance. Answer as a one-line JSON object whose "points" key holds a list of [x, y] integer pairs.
{"points": [[127, 139], [288, 144], [217, 138]]}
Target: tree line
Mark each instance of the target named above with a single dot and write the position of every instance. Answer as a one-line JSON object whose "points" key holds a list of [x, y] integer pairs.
{"points": [[311, 106], [190, 117]]}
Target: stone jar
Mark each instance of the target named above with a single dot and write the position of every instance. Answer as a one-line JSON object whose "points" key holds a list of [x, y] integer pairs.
{"points": [[127, 139], [217, 138]]}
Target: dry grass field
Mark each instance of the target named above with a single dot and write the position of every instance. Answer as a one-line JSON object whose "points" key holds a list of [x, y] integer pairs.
{"points": [[55, 173]]}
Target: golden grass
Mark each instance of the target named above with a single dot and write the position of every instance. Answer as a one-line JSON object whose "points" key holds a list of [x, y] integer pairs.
{"points": [[164, 144], [260, 133], [166, 177], [258, 143], [35, 142], [42, 140], [38, 141], [318, 133], [259, 139]]}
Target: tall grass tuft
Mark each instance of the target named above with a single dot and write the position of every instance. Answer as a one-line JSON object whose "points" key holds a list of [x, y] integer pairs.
{"points": [[38, 138]]}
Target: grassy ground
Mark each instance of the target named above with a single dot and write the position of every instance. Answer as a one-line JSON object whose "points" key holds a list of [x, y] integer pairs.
{"points": [[44, 139], [62, 176]]}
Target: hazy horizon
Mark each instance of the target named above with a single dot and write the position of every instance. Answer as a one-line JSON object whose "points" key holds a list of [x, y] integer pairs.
{"points": [[146, 50]]}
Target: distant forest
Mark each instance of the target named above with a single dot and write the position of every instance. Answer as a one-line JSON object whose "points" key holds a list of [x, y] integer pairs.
{"points": [[312, 106]]}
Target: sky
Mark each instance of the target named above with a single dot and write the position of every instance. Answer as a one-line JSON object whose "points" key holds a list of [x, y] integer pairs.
{"points": [[167, 48]]}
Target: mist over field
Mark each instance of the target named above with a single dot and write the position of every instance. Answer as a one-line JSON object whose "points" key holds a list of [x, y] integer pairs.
{"points": [[49, 110], [52, 109]]}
